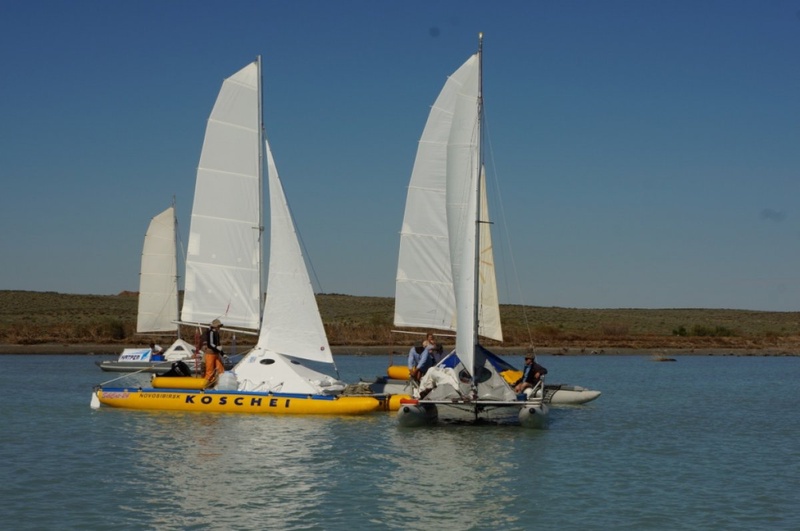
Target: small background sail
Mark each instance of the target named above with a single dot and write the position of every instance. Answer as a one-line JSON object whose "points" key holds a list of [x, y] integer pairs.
{"points": [[158, 280]]}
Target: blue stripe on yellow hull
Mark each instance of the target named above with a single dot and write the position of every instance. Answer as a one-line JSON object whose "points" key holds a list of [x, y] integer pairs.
{"points": [[237, 402]]}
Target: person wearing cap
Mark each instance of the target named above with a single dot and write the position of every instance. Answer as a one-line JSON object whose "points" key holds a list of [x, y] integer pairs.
{"points": [[531, 375], [213, 357]]}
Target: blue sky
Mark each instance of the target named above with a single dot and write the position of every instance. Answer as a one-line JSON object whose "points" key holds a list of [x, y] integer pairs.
{"points": [[647, 153]]}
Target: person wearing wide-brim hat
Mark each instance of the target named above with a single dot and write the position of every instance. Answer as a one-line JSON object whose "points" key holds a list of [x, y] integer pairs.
{"points": [[213, 352]]}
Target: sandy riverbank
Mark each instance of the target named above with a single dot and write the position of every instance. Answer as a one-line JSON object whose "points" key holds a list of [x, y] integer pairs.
{"points": [[401, 350]]}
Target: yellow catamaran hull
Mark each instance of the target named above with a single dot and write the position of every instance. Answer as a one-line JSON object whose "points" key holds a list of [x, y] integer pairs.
{"points": [[237, 402]]}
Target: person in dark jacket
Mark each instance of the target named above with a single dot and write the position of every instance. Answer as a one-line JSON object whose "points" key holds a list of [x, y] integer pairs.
{"points": [[213, 357], [531, 375]]}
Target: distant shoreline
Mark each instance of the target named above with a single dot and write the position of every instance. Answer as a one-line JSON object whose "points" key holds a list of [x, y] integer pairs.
{"points": [[91, 349], [53, 323]]}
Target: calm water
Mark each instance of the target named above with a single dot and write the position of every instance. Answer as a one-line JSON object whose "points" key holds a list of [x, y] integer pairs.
{"points": [[703, 443]]}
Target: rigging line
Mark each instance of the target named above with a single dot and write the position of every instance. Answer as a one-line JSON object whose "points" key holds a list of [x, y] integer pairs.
{"points": [[500, 203]]}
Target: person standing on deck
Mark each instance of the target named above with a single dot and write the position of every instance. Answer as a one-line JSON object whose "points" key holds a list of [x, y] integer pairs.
{"points": [[213, 357]]}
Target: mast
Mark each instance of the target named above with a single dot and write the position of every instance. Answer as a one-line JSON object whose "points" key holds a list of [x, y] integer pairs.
{"points": [[177, 272], [478, 221], [260, 228]]}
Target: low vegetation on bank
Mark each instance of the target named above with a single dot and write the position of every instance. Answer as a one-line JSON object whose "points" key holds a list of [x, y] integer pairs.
{"points": [[30, 318]]}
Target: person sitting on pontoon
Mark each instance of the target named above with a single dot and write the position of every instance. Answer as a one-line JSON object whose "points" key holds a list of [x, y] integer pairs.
{"points": [[426, 360], [531, 375], [413, 360]]}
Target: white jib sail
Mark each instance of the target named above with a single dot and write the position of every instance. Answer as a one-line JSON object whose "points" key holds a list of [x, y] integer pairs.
{"points": [[489, 324], [223, 260], [158, 280], [292, 324]]}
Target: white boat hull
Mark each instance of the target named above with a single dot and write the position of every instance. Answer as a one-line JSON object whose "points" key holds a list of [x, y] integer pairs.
{"points": [[555, 395], [141, 359], [533, 416], [154, 367], [530, 414], [568, 395], [412, 415]]}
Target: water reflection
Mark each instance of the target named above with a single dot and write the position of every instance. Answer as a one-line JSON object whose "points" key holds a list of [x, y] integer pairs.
{"points": [[456, 477], [243, 471], [234, 471]]}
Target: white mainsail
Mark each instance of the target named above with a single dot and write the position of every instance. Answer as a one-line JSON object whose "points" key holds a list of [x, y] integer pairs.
{"points": [[424, 289], [158, 280], [223, 263], [434, 216]]}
